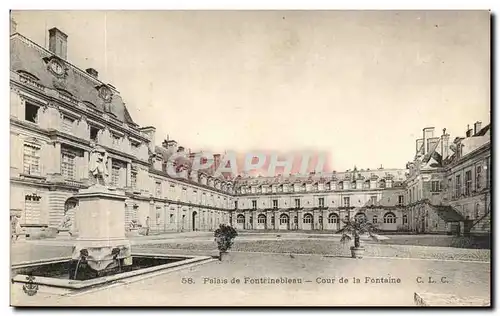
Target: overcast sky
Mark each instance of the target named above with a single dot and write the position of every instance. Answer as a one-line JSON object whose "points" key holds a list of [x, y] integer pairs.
{"points": [[359, 85]]}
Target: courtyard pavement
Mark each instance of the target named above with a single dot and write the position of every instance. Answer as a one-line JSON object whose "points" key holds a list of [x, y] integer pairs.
{"points": [[315, 262]]}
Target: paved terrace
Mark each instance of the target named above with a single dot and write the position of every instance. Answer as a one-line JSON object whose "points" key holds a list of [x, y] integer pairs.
{"points": [[313, 260]]}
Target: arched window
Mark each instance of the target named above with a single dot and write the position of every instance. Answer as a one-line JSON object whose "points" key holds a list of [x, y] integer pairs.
{"points": [[261, 219], [284, 219], [333, 218], [366, 184], [381, 184], [320, 219], [375, 219], [308, 218], [360, 217], [405, 219], [240, 219], [389, 218]]}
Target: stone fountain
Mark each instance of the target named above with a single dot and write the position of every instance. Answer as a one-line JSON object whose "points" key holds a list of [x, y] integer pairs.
{"points": [[101, 253], [101, 245]]}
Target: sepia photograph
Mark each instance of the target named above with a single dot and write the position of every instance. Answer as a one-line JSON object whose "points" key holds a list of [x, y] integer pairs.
{"points": [[225, 158]]}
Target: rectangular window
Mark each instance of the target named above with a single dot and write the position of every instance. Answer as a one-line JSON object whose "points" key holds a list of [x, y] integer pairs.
{"points": [[67, 124], [31, 159], [401, 200], [133, 179], [450, 188], [158, 215], [32, 211], [297, 203], [321, 202], [373, 199], [116, 140], [236, 204], [405, 219], [479, 178], [458, 186], [158, 188], [468, 182], [275, 204], [434, 186], [94, 131], [347, 201], [31, 112], [254, 204], [115, 175], [68, 165]]}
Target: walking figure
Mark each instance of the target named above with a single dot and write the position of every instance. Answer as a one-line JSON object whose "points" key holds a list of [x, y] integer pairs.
{"points": [[147, 225]]}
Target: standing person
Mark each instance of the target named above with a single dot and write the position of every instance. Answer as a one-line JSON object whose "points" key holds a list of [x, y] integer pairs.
{"points": [[147, 225]]}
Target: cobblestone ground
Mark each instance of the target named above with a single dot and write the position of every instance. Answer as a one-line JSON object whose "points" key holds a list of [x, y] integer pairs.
{"points": [[334, 248], [203, 285], [27, 251]]}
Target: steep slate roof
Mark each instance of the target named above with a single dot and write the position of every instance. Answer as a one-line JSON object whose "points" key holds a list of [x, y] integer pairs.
{"points": [[483, 131], [28, 56]]}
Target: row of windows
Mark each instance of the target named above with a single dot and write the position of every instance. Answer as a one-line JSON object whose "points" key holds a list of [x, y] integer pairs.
{"points": [[321, 202], [469, 186], [67, 123], [343, 185], [388, 218]]}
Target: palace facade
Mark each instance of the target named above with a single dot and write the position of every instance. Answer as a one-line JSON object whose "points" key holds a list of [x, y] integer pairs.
{"points": [[59, 113]]}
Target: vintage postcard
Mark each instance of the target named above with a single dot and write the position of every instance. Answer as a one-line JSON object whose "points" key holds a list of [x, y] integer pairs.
{"points": [[250, 158]]}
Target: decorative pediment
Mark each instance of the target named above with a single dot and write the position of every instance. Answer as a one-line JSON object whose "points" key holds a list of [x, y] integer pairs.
{"points": [[105, 93]]}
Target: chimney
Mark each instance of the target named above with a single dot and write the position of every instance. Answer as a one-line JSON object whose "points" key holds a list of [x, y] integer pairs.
{"points": [[477, 127], [58, 43], [445, 147], [13, 26], [216, 161], [431, 142], [428, 133], [419, 144], [469, 131], [92, 72]]}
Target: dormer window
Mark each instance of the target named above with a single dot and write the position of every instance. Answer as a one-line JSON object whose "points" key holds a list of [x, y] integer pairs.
{"points": [[116, 140], [31, 112], [27, 75], [94, 132]]}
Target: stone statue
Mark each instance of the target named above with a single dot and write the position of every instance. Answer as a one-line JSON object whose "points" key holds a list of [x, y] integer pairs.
{"points": [[98, 166], [66, 224]]}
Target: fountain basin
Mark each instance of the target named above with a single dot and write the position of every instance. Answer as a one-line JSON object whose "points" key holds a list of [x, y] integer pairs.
{"points": [[53, 276]]}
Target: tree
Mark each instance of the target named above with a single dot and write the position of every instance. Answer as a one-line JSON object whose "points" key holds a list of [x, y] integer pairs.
{"points": [[354, 229], [224, 236]]}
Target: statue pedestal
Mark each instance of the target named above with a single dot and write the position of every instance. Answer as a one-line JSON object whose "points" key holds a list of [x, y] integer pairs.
{"points": [[101, 223]]}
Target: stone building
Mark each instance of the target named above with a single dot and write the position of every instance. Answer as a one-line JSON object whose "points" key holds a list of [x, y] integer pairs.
{"points": [[448, 187], [58, 114], [321, 202]]}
